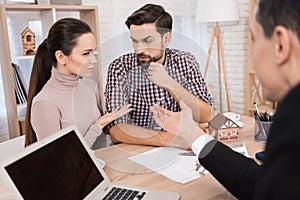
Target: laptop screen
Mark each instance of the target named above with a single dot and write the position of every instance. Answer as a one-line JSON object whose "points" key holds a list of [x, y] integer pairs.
{"points": [[61, 169]]}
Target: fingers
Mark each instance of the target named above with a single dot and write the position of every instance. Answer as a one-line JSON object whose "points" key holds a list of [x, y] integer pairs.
{"points": [[104, 120], [158, 117], [120, 111], [116, 110], [122, 107], [204, 127], [162, 110], [154, 66], [125, 109], [115, 114]]}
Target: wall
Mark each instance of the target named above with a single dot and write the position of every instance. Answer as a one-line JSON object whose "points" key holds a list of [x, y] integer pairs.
{"points": [[234, 38]]}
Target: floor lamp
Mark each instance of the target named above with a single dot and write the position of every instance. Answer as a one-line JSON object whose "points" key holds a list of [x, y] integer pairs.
{"points": [[217, 11]]}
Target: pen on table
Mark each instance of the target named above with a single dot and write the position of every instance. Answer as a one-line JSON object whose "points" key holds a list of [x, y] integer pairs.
{"points": [[266, 116], [255, 104], [256, 115], [187, 154]]}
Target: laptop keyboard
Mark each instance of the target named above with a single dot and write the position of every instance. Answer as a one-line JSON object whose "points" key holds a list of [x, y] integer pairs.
{"points": [[124, 194]]}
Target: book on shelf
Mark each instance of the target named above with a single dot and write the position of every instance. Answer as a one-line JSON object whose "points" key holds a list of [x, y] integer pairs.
{"points": [[20, 85]]}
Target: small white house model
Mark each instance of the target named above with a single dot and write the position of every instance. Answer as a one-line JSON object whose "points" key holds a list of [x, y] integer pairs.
{"points": [[223, 128]]}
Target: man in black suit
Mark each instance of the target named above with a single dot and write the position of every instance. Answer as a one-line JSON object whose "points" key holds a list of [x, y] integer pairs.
{"points": [[275, 32]]}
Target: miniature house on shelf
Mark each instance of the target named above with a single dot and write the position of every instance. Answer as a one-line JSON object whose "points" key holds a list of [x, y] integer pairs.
{"points": [[28, 41], [223, 128]]}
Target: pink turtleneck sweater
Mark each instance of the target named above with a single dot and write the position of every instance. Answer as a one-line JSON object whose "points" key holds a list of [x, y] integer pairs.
{"points": [[66, 100]]}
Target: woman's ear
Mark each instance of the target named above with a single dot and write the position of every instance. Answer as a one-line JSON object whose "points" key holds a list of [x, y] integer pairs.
{"points": [[60, 57], [167, 38], [282, 44]]}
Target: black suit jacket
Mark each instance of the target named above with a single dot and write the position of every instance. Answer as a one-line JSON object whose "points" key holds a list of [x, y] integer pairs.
{"points": [[279, 175]]}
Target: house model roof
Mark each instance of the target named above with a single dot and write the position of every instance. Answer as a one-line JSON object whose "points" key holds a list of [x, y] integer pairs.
{"points": [[220, 121], [27, 30]]}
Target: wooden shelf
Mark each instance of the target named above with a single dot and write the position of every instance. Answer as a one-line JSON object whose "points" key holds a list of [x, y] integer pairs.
{"points": [[22, 57]]}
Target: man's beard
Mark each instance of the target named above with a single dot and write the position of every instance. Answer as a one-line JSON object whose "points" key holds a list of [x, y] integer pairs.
{"points": [[145, 64]]}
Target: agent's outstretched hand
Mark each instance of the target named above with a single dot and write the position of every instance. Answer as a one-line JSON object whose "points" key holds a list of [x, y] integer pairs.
{"points": [[181, 124]]}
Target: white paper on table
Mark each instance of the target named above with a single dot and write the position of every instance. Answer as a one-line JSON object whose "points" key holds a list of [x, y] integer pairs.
{"points": [[168, 162], [241, 149]]}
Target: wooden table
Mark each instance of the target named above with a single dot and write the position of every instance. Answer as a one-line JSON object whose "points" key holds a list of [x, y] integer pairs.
{"points": [[119, 168]]}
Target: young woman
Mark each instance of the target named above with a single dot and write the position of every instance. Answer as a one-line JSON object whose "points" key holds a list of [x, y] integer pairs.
{"points": [[58, 96]]}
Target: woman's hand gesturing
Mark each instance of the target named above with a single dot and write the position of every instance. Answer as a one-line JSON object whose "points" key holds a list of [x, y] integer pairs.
{"points": [[109, 117]]}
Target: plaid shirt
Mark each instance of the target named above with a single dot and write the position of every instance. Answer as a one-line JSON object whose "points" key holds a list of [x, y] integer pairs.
{"points": [[127, 82]]}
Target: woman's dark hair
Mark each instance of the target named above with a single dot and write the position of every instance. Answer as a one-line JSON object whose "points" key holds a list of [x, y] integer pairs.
{"points": [[272, 13], [62, 36], [151, 13]]}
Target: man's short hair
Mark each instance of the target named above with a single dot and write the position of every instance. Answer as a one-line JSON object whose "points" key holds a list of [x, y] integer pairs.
{"points": [[272, 13], [151, 13]]}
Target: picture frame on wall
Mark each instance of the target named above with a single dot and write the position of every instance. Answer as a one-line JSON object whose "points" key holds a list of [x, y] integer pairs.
{"points": [[21, 2]]}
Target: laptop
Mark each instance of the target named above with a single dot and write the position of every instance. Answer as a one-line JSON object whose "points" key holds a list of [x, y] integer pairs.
{"points": [[62, 167]]}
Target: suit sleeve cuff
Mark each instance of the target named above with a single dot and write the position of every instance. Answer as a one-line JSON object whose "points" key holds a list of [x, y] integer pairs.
{"points": [[200, 143]]}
